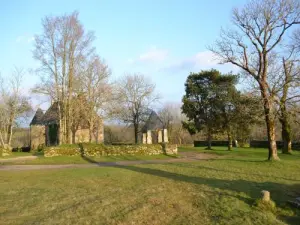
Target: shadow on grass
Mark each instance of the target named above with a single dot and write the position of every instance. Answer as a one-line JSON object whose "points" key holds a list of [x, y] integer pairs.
{"points": [[279, 192], [235, 172]]}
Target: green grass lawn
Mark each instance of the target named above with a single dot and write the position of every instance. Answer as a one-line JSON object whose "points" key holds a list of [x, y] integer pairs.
{"points": [[217, 191]]}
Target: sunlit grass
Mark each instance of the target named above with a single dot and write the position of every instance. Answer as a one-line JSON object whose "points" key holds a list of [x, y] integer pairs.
{"points": [[217, 191]]}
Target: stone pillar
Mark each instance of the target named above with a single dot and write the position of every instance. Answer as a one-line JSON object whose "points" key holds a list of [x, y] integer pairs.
{"points": [[265, 196], [165, 136], [144, 138], [149, 137], [160, 136]]}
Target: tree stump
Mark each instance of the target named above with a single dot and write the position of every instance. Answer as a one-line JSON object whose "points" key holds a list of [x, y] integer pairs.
{"points": [[265, 196]]}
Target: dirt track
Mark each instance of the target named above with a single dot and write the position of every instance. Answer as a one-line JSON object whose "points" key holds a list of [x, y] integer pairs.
{"points": [[184, 157]]}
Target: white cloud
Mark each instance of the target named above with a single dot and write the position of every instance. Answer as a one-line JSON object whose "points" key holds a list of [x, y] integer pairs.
{"points": [[30, 39], [205, 59], [200, 61], [19, 39], [152, 55], [26, 38]]}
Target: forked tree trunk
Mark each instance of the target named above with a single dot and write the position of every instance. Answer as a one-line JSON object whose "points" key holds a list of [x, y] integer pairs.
{"points": [[284, 118], [270, 122]]}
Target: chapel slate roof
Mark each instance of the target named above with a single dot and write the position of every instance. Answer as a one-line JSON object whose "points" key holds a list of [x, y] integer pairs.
{"points": [[153, 122], [51, 115], [38, 117]]}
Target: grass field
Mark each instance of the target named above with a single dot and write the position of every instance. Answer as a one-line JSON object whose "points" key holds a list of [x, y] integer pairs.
{"points": [[217, 191]]}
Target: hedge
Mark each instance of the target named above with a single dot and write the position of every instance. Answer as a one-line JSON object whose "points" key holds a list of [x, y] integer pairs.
{"points": [[253, 144], [213, 143], [106, 150], [265, 144]]}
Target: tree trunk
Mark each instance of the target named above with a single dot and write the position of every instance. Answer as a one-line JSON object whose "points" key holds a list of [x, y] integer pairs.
{"points": [[286, 137], [9, 130], [284, 117], [270, 122], [136, 132], [229, 135], [91, 127], [73, 136], [70, 93], [209, 139], [68, 123], [60, 124], [272, 140]]}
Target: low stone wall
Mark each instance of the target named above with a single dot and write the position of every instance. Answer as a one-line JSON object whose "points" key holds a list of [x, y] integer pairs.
{"points": [[5, 151], [169, 149], [37, 136], [107, 150]]}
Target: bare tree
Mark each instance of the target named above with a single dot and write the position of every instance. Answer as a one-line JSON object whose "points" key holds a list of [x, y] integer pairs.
{"points": [[172, 118], [60, 49], [289, 91], [97, 92], [261, 26], [13, 105], [135, 95]]}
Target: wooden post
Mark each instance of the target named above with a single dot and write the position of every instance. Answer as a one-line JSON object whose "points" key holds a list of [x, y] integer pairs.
{"points": [[265, 196]]}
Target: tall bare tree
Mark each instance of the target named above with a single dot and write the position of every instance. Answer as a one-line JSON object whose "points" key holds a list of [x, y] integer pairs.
{"points": [[13, 105], [97, 92], [288, 90], [135, 95], [260, 28], [60, 49]]}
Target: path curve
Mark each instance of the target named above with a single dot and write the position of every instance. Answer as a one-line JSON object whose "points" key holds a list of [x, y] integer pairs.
{"points": [[185, 157]]}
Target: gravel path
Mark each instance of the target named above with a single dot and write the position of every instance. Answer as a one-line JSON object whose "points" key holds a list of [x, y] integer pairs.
{"points": [[185, 157], [20, 158]]}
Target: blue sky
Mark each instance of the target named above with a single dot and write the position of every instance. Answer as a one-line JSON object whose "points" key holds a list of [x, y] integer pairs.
{"points": [[164, 39]]}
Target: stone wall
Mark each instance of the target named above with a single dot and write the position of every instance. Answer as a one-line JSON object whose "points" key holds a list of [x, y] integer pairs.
{"points": [[169, 149], [83, 135], [37, 136], [5, 151], [107, 150], [100, 138]]}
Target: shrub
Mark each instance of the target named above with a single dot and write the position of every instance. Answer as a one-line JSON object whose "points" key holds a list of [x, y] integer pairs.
{"points": [[213, 143], [265, 206]]}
